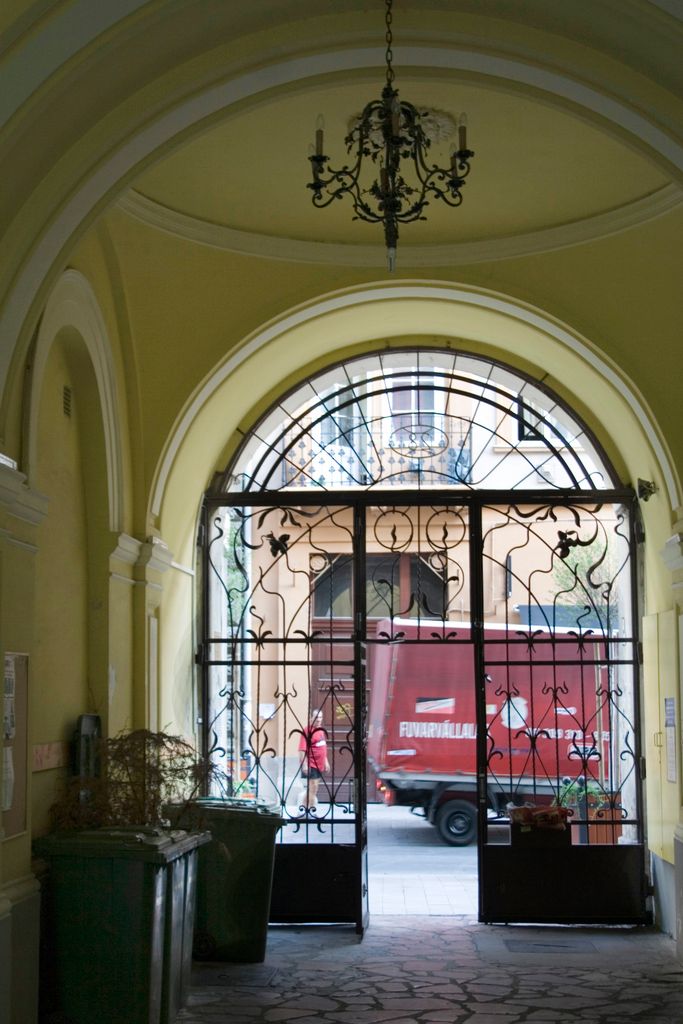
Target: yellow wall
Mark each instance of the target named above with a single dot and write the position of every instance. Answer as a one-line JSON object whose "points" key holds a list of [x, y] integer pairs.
{"points": [[81, 650], [190, 305], [663, 778], [177, 694], [60, 685], [17, 566]]}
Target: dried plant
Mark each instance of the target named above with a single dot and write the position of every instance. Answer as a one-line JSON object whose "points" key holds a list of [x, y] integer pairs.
{"points": [[140, 773]]}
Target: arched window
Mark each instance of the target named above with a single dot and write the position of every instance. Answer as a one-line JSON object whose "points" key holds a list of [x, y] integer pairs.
{"points": [[419, 420]]}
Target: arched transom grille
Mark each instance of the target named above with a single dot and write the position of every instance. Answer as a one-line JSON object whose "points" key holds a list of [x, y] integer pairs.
{"points": [[419, 420]]}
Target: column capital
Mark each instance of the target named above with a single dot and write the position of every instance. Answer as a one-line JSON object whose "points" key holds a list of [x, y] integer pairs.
{"points": [[127, 549], [154, 554]]}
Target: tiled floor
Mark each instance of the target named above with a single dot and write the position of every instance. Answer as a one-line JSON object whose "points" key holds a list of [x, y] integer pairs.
{"points": [[423, 960]]}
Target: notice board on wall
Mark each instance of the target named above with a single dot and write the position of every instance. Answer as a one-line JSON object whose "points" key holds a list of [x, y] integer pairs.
{"points": [[14, 744], [670, 735]]}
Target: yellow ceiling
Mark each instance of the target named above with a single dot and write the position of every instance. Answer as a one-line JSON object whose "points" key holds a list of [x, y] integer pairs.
{"points": [[536, 166]]}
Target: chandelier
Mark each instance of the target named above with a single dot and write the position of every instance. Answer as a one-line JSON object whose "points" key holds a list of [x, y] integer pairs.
{"points": [[387, 132]]}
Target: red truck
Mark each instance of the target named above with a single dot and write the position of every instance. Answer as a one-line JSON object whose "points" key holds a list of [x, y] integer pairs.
{"points": [[546, 712]]}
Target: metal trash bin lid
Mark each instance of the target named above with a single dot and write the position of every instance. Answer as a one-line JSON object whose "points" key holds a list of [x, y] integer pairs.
{"points": [[157, 845]]}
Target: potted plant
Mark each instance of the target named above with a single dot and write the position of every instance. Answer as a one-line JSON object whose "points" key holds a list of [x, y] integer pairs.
{"points": [[140, 773], [588, 800], [121, 884]]}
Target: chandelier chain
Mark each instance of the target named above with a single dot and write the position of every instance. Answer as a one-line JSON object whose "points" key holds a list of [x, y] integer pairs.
{"points": [[389, 136], [389, 40]]}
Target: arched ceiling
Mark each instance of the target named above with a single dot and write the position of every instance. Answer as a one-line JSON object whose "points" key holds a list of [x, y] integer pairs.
{"points": [[218, 102], [536, 167]]}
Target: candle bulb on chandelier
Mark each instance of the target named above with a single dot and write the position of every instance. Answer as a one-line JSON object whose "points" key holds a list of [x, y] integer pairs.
{"points": [[462, 132], [319, 125], [395, 116]]}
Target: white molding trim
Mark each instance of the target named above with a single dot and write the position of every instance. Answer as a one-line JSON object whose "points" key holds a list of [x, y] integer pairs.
{"points": [[103, 179], [672, 7], [154, 554], [127, 549], [125, 579], [152, 672], [439, 291], [17, 542], [183, 568], [17, 498], [32, 63], [672, 553], [73, 304], [219, 236], [21, 889]]}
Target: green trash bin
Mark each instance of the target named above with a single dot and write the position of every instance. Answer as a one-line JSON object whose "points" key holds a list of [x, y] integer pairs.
{"points": [[181, 894], [120, 912], [235, 877]]}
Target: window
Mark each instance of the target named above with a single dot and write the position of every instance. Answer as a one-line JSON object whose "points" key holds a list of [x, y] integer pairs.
{"points": [[344, 421], [401, 584], [535, 424], [413, 414]]}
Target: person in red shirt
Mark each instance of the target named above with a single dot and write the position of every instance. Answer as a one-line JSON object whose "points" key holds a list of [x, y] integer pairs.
{"points": [[313, 751]]}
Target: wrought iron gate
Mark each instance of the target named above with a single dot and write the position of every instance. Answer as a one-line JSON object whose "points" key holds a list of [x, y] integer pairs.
{"points": [[512, 607], [284, 692], [558, 693]]}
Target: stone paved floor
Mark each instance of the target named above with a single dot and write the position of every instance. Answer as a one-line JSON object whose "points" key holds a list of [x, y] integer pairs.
{"points": [[425, 958], [428, 969]]}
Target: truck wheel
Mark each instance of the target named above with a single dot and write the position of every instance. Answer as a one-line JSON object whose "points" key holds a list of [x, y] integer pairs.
{"points": [[456, 822]]}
